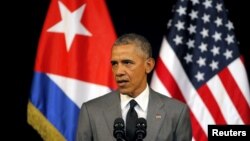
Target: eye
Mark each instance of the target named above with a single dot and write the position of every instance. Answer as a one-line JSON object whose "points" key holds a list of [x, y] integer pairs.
{"points": [[113, 63], [127, 62]]}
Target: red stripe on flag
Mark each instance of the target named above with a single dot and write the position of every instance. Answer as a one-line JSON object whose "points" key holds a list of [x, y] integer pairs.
{"points": [[170, 84], [236, 95], [198, 133], [168, 81], [210, 102]]}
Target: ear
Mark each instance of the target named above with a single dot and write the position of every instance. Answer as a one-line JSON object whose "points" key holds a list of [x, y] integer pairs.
{"points": [[150, 63]]}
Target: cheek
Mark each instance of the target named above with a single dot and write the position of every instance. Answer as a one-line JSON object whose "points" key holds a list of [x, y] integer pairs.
{"points": [[113, 71], [131, 74], [137, 73]]}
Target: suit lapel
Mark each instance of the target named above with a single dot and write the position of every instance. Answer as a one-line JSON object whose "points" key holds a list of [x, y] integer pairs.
{"points": [[155, 116], [113, 110]]}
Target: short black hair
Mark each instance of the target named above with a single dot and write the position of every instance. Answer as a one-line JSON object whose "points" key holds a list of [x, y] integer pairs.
{"points": [[138, 40]]}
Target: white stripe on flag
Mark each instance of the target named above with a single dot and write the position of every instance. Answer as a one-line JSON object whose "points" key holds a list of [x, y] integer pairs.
{"points": [[78, 91], [240, 78], [158, 86], [223, 100], [190, 94]]}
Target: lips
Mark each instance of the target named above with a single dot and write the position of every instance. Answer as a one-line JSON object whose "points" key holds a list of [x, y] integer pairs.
{"points": [[121, 82]]}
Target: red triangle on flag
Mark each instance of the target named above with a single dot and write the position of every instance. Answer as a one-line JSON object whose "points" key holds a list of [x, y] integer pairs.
{"points": [[76, 42]]}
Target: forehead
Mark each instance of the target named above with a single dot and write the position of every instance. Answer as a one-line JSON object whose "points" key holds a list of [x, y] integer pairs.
{"points": [[125, 51]]}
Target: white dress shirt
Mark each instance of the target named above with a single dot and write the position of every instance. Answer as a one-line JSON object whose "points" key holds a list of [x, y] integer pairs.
{"points": [[142, 104]]}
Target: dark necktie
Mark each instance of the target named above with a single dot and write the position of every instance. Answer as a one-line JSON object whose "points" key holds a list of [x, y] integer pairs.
{"points": [[131, 121]]}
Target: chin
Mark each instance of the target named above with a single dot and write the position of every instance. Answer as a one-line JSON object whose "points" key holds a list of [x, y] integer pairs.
{"points": [[123, 91], [128, 94]]}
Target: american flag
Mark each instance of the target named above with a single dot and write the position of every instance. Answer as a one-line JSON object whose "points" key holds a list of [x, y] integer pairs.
{"points": [[199, 63]]}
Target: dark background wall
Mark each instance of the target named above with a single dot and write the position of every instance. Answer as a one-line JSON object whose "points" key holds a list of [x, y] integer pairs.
{"points": [[148, 18]]}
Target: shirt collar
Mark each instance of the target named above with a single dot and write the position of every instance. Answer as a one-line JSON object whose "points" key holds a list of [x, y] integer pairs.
{"points": [[141, 99]]}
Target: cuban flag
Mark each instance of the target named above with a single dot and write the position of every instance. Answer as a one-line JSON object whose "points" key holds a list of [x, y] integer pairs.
{"points": [[72, 65]]}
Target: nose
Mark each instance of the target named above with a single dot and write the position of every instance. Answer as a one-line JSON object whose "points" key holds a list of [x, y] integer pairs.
{"points": [[119, 70]]}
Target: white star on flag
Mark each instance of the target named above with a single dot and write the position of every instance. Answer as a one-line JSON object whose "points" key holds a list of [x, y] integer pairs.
{"points": [[229, 39], [215, 50], [205, 18], [179, 25], [214, 65], [199, 76], [181, 10], [70, 24]]}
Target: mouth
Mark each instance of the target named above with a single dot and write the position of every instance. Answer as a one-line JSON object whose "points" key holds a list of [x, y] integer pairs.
{"points": [[121, 83]]}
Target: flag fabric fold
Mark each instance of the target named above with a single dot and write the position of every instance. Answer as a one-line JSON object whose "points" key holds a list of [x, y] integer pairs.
{"points": [[72, 65], [199, 63]]}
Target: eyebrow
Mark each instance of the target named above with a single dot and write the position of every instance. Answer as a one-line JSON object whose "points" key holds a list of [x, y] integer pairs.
{"points": [[123, 61]]}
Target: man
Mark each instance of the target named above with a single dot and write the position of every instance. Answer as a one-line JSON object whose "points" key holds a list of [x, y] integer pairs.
{"points": [[167, 119]]}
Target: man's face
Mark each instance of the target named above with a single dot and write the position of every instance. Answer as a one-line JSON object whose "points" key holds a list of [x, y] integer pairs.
{"points": [[129, 69]]}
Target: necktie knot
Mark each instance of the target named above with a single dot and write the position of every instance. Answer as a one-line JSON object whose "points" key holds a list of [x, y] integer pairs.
{"points": [[132, 103]]}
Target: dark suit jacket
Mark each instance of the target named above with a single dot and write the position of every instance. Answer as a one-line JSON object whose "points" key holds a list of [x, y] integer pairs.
{"points": [[167, 119]]}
